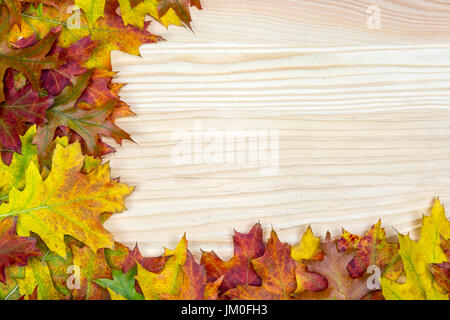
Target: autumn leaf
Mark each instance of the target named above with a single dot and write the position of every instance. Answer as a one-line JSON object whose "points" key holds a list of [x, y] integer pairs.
{"points": [[169, 280], [14, 250], [334, 268], [37, 276], [308, 247], [75, 56], [66, 198], [20, 107], [90, 125], [441, 274], [13, 175], [30, 61], [108, 32], [277, 271], [372, 249], [193, 283], [238, 270], [122, 285], [15, 8], [92, 267], [9, 290], [181, 8], [93, 9], [417, 258]]}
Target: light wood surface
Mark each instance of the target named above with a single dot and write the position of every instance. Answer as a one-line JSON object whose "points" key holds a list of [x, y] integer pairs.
{"points": [[363, 118]]}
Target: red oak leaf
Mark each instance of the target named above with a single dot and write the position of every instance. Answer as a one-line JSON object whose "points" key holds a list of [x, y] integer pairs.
{"points": [[14, 250], [20, 107], [238, 270], [55, 80]]}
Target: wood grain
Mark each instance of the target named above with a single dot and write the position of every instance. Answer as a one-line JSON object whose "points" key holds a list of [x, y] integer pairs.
{"points": [[363, 129]]}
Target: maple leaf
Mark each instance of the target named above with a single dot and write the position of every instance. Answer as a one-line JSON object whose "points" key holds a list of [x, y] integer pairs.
{"points": [[90, 125], [134, 13], [37, 277], [238, 270], [92, 267], [308, 247], [30, 61], [193, 283], [93, 9], [334, 268], [169, 280], [181, 8], [277, 270], [372, 249], [14, 250], [13, 176], [66, 198], [122, 286], [417, 258], [20, 107]]}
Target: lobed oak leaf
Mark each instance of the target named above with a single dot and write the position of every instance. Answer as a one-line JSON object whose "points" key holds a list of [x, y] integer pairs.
{"points": [[14, 250], [19, 108], [277, 270], [68, 198], [169, 280], [372, 249], [122, 286], [37, 277], [30, 61], [55, 80], [90, 125], [334, 268], [108, 32], [92, 267], [238, 270]]}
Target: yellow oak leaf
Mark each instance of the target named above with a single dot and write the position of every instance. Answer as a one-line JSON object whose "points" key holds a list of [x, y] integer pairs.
{"points": [[169, 280], [308, 248], [67, 202], [37, 275]]}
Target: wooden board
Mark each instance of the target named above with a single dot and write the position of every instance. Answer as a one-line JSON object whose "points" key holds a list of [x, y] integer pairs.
{"points": [[360, 120]]}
